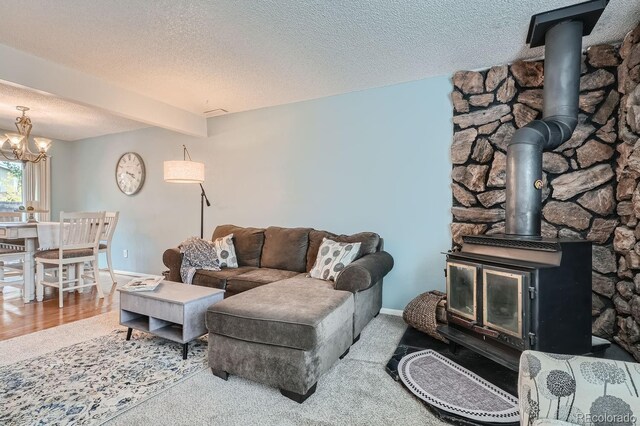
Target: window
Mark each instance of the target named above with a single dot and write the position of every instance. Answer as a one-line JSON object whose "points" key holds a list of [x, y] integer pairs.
{"points": [[11, 176]]}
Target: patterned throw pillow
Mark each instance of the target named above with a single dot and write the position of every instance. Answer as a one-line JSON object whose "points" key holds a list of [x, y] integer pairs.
{"points": [[226, 251], [332, 258]]}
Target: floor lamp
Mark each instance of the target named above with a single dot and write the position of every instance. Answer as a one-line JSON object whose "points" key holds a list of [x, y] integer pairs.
{"points": [[188, 171]]}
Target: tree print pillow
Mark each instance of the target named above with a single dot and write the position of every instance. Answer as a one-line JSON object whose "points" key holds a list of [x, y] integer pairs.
{"points": [[578, 390], [226, 251], [332, 258]]}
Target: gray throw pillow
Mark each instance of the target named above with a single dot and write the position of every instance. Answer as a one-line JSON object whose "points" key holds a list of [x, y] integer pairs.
{"points": [[226, 251], [332, 258]]}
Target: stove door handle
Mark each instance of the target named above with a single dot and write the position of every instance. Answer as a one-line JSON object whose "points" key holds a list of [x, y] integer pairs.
{"points": [[466, 324], [472, 325], [486, 331]]}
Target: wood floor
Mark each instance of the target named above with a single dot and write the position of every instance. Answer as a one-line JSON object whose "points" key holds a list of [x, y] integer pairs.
{"points": [[18, 318]]}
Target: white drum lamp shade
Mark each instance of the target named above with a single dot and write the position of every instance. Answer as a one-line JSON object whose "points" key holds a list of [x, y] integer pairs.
{"points": [[183, 171]]}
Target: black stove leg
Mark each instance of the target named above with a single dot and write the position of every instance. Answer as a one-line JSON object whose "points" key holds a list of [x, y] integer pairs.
{"points": [[453, 347]]}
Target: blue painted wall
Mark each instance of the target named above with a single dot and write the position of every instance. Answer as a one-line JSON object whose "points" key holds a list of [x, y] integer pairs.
{"points": [[374, 160]]}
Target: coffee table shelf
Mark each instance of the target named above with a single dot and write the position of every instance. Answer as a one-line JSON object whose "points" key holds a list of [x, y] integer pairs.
{"points": [[170, 332], [140, 323], [174, 311]]}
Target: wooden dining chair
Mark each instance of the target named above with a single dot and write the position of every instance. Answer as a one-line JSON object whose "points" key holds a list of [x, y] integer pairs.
{"points": [[12, 268], [80, 235], [12, 252], [16, 244], [110, 222]]}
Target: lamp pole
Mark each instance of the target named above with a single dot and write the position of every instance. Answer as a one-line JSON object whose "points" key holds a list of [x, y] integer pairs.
{"points": [[203, 195], [203, 199]]}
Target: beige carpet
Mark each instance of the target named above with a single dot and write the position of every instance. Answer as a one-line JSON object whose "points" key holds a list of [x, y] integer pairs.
{"points": [[356, 391]]}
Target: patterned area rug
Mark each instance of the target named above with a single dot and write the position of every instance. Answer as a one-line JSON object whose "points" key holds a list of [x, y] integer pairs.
{"points": [[89, 382], [430, 376]]}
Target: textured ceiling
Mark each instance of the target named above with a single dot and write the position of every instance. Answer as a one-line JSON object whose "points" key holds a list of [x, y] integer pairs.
{"points": [[55, 118], [241, 54]]}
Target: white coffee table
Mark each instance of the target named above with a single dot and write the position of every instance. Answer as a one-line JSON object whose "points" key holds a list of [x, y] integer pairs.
{"points": [[174, 311]]}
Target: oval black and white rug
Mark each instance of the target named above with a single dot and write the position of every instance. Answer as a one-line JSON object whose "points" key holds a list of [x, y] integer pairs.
{"points": [[444, 384]]}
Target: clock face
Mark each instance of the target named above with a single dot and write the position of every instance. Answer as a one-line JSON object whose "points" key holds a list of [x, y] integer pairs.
{"points": [[130, 173]]}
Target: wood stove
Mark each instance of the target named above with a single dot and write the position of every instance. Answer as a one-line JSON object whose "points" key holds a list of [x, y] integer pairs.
{"points": [[519, 291], [505, 295]]}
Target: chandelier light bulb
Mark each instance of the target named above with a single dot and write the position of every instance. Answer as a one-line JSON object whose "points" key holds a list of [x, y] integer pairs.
{"points": [[14, 139], [42, 144]]}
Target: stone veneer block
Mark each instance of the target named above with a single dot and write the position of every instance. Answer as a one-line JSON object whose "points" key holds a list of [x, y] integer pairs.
{"points": [[570, 184]]}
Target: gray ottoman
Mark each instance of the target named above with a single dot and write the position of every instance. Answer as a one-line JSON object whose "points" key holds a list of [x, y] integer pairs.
{"points": [[283, 334]]}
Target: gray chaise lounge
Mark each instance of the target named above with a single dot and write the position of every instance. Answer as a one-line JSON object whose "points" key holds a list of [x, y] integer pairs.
{"points": [[281, 327]]}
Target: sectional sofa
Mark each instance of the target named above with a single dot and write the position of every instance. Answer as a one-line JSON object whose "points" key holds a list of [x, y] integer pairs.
{"points": [[277, 325]]}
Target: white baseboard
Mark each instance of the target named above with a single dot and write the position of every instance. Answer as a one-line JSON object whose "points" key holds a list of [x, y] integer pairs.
{"points": [[125, 273], [396, 312]]}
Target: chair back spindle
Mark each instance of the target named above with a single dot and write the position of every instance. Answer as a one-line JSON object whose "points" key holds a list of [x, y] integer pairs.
{"points": [[80, 230], [110, 222]]}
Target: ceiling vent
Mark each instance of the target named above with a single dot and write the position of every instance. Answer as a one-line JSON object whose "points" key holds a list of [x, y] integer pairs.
{"points": [[215, 112]]}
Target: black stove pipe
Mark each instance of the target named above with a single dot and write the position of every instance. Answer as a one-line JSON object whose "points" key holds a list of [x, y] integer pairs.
{"points": [[563, 56]]}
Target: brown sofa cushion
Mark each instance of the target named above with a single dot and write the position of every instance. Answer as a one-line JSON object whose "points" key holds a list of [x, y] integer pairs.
{"points": [[265, 275], [247, 242], [369, 242], [255, 278], [305, 280], [218, 279], [237, 287], [285, 248]]}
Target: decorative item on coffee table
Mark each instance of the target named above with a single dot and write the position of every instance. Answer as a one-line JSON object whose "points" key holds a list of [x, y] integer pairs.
{"points": [[174, 311], [144, 283]]}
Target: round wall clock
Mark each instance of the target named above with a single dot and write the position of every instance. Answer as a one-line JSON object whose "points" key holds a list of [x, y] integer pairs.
{"points": [[130, 173]]}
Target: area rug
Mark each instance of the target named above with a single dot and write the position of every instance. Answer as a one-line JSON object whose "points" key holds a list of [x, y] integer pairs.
{"points": [[356, 391], [444, 384], [91, 381]]}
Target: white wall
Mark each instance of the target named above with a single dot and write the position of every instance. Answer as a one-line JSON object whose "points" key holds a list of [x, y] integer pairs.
{"points": [[375, 160]]}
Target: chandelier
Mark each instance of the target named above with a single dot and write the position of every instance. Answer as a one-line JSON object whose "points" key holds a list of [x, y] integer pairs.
{"points": [[19, 142]]}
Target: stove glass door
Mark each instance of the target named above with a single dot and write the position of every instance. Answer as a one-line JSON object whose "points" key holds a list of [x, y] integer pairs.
{"points": [[462, 289], [502, 301]]}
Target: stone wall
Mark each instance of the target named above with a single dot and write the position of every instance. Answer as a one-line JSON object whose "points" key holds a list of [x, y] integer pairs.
{"points": [[591, 181], [626, 297]]}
